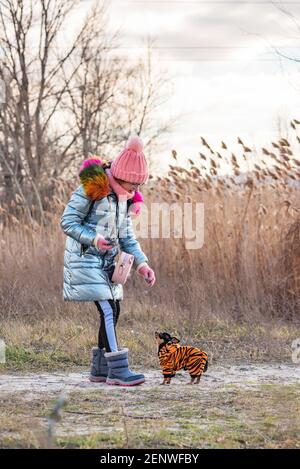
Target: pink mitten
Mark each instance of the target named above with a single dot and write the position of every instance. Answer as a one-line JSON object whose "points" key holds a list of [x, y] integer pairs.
{"points": [[101, 243], [137, 202], [145, 271], [135, 208]]}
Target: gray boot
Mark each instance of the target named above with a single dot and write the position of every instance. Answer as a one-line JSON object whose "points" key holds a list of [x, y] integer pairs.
{"points": [[99, 368], [118, 371]]}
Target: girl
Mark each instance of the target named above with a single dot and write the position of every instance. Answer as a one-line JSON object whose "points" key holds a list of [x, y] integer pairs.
{"points": [[91, 221]]}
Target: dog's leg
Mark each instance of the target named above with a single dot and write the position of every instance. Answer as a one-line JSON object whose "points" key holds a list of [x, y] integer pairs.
{"points": [[192, 380], [195, 380], [166, 381]]}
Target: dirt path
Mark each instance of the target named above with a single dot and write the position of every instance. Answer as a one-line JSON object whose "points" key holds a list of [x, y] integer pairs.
{"points": [[242, 376], [257, 404]]}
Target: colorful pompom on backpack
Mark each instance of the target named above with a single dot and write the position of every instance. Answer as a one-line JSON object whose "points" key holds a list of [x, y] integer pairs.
{"points": [[93, 178]]}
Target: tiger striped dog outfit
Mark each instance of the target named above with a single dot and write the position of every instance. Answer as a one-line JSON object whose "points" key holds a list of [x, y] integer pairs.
{"points": [[174, 357]]}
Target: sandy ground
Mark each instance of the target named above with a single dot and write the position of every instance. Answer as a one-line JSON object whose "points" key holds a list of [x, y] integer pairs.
{"points": [[216, 377], [90, 403]]}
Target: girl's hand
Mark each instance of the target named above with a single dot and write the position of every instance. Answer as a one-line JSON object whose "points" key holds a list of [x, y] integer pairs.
{"points": [[148, 274], [101, 243]]}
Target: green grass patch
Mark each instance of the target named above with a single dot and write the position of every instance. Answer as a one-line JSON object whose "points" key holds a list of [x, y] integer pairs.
{"points": [[21, 358]]}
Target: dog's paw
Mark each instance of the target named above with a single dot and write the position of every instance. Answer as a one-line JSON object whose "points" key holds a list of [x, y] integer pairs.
{"points": [[166, 381]]}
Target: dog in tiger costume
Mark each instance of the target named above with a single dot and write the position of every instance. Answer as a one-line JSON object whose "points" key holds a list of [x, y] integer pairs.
{"points": [[174, 357]]}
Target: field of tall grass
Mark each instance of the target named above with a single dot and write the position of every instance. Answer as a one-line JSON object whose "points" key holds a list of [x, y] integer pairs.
{"points": [[237, 296]]}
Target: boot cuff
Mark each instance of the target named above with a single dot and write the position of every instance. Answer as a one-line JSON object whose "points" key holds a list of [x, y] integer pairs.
{"points": [[115, 354], [95, 349]]}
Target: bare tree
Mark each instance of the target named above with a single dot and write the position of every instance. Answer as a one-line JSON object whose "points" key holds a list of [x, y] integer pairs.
{"points": [[148, 90], [33, 92], [109, 98], [65, 99]]}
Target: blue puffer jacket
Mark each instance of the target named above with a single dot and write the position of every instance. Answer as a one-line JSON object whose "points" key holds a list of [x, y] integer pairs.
{"points": [[86, 276]]}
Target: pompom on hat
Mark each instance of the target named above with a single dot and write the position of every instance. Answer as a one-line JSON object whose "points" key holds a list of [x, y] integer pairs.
{"points": [[131, 165]]}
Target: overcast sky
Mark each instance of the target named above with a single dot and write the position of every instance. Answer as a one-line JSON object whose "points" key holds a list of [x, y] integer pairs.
{"points": [[228, 80]]}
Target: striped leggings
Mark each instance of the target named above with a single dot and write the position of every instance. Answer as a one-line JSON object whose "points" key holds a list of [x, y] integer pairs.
{"points": [[109, 314]]}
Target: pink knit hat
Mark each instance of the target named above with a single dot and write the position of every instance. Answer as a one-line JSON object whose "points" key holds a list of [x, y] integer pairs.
{"points": [[131, 165]]}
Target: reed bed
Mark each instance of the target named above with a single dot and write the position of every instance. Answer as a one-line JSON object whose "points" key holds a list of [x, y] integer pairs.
{"points": [[246, 273]]}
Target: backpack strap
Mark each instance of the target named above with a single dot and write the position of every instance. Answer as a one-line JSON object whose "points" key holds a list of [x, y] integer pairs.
{"points": [[84, 247]]}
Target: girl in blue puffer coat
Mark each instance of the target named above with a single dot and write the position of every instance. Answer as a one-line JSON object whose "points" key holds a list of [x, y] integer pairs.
{"points": [[97, 220]]}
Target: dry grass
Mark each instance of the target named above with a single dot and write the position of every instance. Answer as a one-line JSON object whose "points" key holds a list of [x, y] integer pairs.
{"points": [[247, 274], [224, 417]]}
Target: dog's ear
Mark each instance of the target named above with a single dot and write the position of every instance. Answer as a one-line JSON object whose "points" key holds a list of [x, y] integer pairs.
{"points": [[175, 340], [166, 336]]}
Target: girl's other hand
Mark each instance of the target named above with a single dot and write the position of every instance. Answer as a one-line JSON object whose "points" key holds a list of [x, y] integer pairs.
{"points": [[148, 274]]}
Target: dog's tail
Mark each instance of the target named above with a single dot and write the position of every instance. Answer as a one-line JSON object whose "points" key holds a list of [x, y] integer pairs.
{"points": [[205, 359]]}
